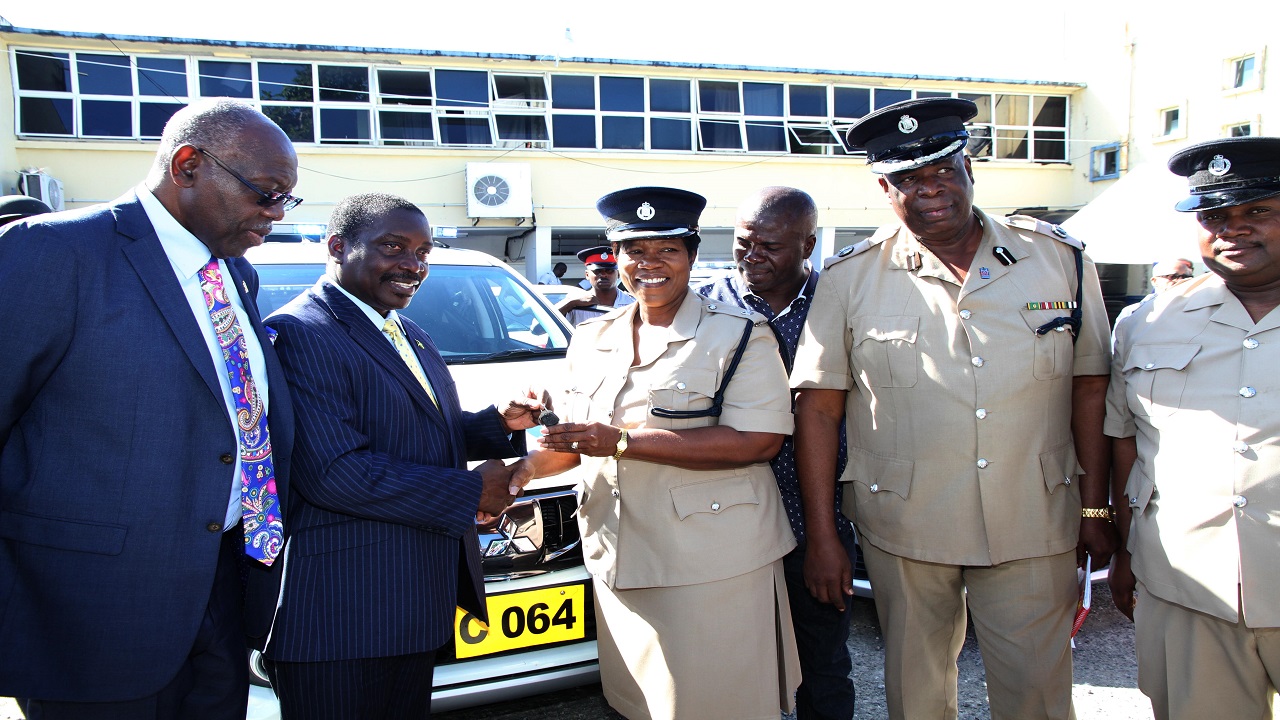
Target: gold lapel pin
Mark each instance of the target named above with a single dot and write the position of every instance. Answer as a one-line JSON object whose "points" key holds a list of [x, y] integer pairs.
{"points": [[420, 345], [245, 285]]}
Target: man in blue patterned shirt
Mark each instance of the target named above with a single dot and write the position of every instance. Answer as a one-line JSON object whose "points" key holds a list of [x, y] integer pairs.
{"points": [[774, 235]]}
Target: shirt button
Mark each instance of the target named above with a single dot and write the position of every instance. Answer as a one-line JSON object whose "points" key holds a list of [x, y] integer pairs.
{"points": [[226, 458], [213, 527], [977, 362], [1148, 366], [1240, 501], [1247, 392], [615, 492], [981, 413], [875, 487], [1251, 343], [966, 314], [1241, 446], [715, 506], [679, 386], [982, 462]]}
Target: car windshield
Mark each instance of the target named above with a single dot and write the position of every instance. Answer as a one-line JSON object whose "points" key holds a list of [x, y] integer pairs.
{"points": [[474, 313]]}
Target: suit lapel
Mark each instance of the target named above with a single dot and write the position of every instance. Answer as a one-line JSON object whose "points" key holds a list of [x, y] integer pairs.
{"points": [[156, 274], [372, 341]]}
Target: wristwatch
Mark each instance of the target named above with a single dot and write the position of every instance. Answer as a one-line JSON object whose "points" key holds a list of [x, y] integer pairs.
{"points": [[622, 445], [1102, 513]]}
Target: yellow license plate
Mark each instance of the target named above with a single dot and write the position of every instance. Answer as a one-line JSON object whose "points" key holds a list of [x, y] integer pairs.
{"points": [[522, 619]]}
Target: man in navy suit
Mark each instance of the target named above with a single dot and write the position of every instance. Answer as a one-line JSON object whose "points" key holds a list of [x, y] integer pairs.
{"points": [[125, 586], [383, 512]]}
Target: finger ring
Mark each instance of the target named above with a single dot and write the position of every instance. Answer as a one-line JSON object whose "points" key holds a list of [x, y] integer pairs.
{"points": [[574, 445]]}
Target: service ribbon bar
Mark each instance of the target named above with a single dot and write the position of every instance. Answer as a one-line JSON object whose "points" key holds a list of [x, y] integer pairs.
{"points": [[1053, 305]]}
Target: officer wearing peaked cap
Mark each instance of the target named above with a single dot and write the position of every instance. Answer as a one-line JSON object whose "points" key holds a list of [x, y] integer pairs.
{"points": [[968, 355], [678, 403], [602, 293], [1194, 410]]}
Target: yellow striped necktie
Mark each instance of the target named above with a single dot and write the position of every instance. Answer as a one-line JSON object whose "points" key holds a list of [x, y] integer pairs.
{"points": [[392, 329]]}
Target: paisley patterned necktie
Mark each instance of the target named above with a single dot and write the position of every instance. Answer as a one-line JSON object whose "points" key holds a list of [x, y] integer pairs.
{"points": [[406, 353], [263, 520]]}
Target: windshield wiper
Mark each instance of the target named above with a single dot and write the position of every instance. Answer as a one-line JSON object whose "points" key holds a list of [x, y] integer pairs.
{"points": [[504, 355]]}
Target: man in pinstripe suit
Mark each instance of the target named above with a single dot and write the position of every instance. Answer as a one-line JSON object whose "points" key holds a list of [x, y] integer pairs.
{"points": [[384, 542]]}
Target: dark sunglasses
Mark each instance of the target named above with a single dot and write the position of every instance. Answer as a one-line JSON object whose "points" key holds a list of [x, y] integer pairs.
{"points": [[265, 198]]}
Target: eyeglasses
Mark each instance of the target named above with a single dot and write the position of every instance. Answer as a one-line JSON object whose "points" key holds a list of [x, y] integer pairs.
{"points": [[1176, 276], [265, 199]]}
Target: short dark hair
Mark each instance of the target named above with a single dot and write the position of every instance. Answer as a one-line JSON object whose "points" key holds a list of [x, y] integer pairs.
{"points": [[354, 214]]}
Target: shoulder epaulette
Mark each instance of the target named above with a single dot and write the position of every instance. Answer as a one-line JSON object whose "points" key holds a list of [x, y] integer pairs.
{"points": [[1036, 225], [860, 247], [725, 308]]}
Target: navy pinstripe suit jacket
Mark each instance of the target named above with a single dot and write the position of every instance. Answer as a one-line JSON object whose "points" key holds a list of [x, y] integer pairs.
{"points": [[383, 508]]}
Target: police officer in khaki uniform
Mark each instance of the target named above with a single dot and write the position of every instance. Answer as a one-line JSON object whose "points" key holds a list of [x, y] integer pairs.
{"points": [[1194, 407], [969, 356], [678, 403]]}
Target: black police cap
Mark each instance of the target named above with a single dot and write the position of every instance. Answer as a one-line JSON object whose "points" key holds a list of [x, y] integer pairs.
{"points": [[17, 207], [1230, 171], [643, 212], [600, 256], [912, 133]]}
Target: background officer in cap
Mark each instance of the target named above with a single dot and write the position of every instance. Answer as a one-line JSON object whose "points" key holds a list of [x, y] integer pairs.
{"points": [[968, 355], [1194, 407], [678, 404], [602, 274], [19, 207]]}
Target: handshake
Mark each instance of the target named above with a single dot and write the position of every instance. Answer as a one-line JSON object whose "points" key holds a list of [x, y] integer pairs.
{"points": [[501, 485]]}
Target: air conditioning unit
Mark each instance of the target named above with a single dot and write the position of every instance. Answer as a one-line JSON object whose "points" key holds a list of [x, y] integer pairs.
{"points": [[499, 190], [45, 188]]}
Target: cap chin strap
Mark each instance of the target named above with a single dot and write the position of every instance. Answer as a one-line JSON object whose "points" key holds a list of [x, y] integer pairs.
{"points": [[888, 167]]}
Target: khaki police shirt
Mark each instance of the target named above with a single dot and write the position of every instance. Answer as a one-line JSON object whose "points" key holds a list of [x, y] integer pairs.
{"points": [[647, 524], [1198, 383], [958, 414]]}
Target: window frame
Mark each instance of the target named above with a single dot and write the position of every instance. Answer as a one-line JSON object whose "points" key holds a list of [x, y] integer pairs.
{"points": [[421, 114], [1098, 152]]}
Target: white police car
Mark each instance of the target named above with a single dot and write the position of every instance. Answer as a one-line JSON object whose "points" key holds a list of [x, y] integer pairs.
{"points": [[496, 334]]}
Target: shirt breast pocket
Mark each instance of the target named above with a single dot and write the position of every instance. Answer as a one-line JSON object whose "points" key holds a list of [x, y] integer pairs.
{"points": [[1155, 376], [685, 390], [1054, 354], [578, 400], [884, 349]]}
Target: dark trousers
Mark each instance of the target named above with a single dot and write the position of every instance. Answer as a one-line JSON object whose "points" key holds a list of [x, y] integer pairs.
{"points": [[822, 636], [388, 688], [213, 683]]}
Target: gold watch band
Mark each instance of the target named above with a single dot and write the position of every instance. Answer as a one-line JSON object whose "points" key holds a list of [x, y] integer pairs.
{"points": [[622, 445], [1102, 513]]}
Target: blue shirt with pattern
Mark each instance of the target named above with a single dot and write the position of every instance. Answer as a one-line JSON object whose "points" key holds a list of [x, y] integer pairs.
{"points": [[787, 326]]}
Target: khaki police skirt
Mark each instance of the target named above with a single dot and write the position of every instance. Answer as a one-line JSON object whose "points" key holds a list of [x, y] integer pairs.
{"points": [[721, 650]]}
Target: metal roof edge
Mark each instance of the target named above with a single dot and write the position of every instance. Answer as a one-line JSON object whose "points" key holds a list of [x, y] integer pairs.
{"points": [[409, 52]]}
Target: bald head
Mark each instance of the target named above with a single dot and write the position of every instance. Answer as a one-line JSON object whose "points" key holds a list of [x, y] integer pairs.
{"points": [[772, 237], [777, 202], [221, 171], [216, 125]]}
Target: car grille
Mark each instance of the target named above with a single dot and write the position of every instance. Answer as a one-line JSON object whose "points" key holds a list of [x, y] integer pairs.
{"points": [[537, 534]]}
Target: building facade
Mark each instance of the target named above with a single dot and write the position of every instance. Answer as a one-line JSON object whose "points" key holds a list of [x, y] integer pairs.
{"points": [[507, 154]]}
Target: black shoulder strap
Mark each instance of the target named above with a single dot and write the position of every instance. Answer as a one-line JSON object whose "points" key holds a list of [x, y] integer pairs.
{"points": [[718, 401], [1073, 320]]}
